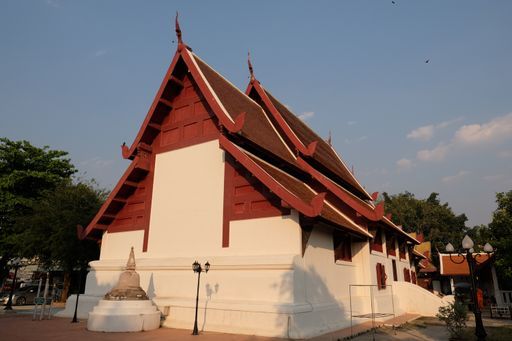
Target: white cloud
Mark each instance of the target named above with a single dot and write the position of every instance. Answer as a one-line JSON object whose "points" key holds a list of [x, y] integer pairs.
{"points": [[456, 177], [96, 163], [505, 154], [424, 133], [492, 178], [404, 164], [497, 129], [359, 139], [100, 53], [306, 115], [436, 154], [53, 3]]}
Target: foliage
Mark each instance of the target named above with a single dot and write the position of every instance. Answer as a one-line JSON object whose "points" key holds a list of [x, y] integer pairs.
{"points": [[500, 230], [50, 233], [436, 221], [40, 206], [455, 316], [26, 172]]}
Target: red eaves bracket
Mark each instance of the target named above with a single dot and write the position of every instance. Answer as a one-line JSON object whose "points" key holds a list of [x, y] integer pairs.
{"points": [[373, 214], [310, 149], [312, 209]]}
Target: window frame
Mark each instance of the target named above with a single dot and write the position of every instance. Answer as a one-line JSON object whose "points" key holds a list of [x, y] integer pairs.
{"points": [[342, 246]]}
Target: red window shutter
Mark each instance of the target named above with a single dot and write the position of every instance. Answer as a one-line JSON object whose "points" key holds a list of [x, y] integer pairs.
{"points": [[405, 275], [384, 276], [379, 276], [376, 243], [342, 246], [413, 277]]}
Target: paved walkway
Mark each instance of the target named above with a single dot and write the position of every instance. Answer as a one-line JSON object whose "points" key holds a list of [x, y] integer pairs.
{"points": [[20, 327]]}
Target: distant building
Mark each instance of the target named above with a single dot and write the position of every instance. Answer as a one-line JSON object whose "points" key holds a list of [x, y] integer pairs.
{"points": [[237, 179], [454, 271]]}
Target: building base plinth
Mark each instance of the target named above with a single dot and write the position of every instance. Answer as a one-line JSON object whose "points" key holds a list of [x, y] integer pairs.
{"points": [[123, 316]]}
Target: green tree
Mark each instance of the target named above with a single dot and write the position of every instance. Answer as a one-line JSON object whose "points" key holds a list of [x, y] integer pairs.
{"points": [[500, 230], [26, 172], [50, 229], [429, 216]]}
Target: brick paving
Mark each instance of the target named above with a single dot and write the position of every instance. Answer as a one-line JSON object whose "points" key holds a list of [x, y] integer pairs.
{"points": [[20, 327]]}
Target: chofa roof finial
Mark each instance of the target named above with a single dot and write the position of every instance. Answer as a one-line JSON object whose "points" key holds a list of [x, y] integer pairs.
{"points": [[251, 70], [178, 30], [329, 139]]}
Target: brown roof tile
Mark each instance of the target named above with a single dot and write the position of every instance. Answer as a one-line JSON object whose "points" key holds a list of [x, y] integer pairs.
{"points": [[324, 154], [257, 127], [302, 191]]}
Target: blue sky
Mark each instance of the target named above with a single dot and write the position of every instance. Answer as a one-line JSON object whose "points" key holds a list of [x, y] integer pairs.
{"points": [[80, 76]]}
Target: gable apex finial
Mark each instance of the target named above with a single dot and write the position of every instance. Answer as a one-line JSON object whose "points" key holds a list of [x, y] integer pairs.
{"points": [[251, 70], [178, 30]]}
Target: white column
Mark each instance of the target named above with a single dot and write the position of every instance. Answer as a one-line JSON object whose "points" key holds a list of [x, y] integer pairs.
{"points": [[497, 292]]}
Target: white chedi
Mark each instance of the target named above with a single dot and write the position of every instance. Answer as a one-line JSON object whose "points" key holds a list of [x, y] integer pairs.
{"points": [[126, 308]]}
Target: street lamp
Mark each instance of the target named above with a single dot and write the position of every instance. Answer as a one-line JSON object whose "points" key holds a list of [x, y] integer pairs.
{"points": [[197, 268], [467, 253], [16, 263], [75, 320]]}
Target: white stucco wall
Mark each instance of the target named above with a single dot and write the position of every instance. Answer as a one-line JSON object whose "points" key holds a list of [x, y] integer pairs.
{"points": [[186, 209], [259, 285], [323, 284], [117, 245], [264, 236]]}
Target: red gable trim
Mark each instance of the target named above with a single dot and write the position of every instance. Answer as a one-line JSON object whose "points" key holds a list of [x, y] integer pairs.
{"points": [[310, 149], [363, 208], [296, 141], [234, 126], [83, 233], [313, 209], [129, 153]]}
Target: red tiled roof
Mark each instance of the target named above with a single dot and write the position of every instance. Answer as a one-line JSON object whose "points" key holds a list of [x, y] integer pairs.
{"points": [[457, 265], [300, 190], [324, 154], [247, 123], [257, 127]]}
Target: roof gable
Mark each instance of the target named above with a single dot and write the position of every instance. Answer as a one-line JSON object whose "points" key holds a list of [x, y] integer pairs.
{"points": [[307, 142]]}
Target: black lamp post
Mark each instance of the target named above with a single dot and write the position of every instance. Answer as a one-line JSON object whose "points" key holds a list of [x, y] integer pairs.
{"points": [[75, 320], [16, 265], [467, 253], [197, 268]]}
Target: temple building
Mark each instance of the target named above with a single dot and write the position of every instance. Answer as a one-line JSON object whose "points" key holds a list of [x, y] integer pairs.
{"points": [[297, 246]]}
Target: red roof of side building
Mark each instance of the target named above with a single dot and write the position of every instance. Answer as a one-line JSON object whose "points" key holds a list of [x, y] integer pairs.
{"points": [[455, 265]]}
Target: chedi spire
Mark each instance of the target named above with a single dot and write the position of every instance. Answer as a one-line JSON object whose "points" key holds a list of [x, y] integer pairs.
{"points": [[128, 287]]}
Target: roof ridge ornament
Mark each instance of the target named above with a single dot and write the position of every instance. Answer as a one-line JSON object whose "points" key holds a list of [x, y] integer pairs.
{"points": [[251, 70], [178, 30], [178, 34]]}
